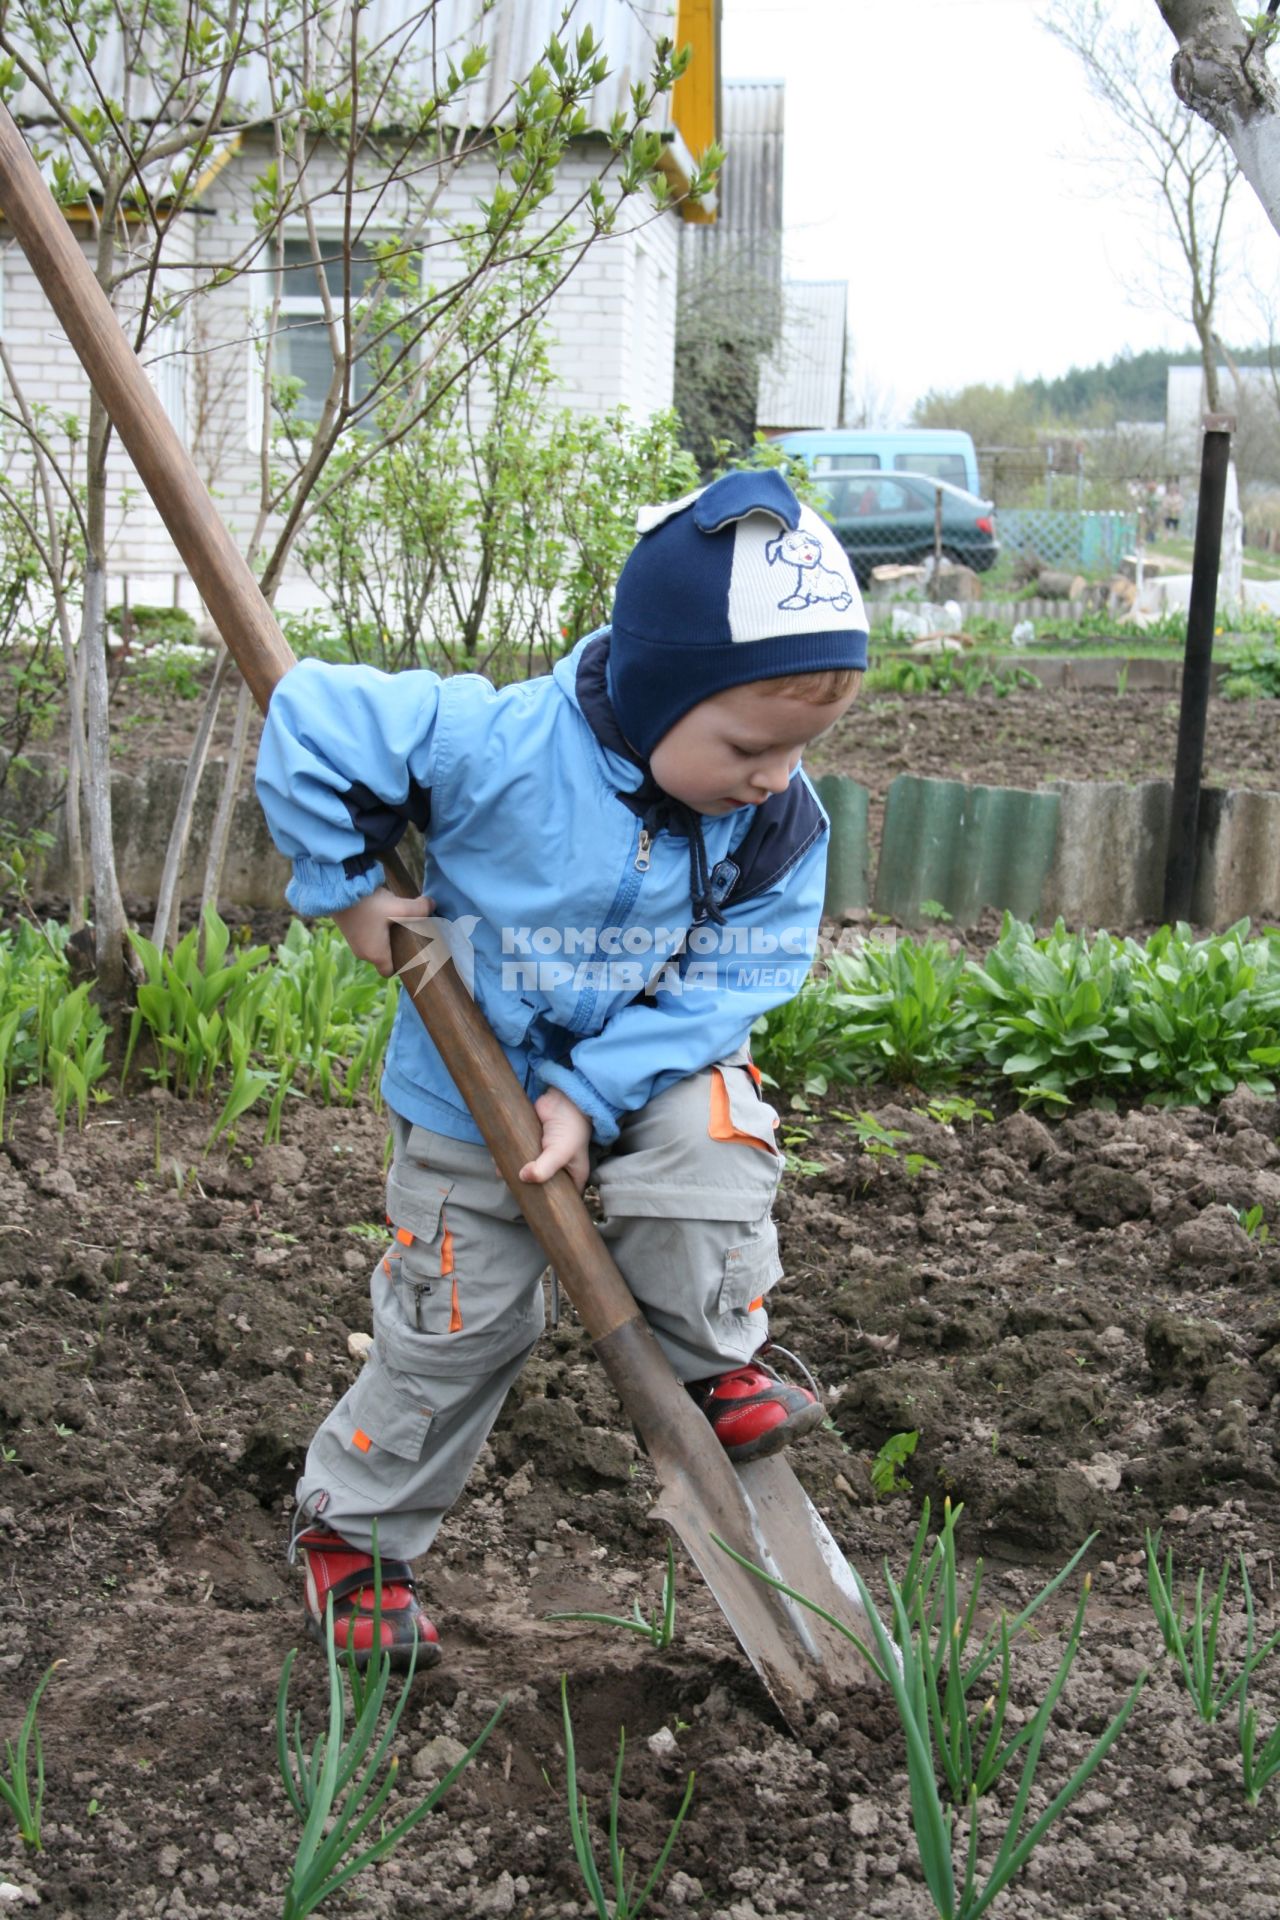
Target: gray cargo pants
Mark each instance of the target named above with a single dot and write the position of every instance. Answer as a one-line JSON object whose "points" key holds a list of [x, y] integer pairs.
{"points": [[686, 1192]]}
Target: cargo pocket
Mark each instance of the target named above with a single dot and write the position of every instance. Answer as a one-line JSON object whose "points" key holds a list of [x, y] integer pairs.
{"points": [[386, 1414], [738, 1112], [420, 1266], [751, 1269]]}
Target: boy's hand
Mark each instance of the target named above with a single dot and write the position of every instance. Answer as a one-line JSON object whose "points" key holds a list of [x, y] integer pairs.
{"points": [[366, 927], [566, 1136]]}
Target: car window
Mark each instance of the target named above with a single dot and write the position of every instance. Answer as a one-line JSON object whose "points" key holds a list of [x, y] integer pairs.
{"points": [[845, 462], [882, 496], [943, 466]]}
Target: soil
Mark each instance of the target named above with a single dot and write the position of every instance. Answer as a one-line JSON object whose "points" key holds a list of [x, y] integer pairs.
{"points": [[1070, 1315]]}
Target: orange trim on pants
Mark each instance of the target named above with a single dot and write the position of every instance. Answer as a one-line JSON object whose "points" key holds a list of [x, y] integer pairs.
{"points": [[720, 1126], [446, 1268]]}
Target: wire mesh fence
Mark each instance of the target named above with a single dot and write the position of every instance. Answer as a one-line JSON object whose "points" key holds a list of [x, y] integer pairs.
{"points": [[1079, 542]]}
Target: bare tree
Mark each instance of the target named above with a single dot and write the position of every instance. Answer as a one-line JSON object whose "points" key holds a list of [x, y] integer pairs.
{"points": [[1221, 72], [1187, 165]]}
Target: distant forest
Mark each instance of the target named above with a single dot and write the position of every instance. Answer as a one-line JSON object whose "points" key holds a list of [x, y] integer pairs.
{"points": [[1130, 387]]}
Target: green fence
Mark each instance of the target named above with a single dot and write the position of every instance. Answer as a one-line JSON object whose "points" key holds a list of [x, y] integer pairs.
{"points": [[1088, 542]]}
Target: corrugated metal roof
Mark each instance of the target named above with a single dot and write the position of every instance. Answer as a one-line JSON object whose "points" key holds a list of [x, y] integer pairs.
{"points": [[421, 38], [746, 240], [802, 380]]}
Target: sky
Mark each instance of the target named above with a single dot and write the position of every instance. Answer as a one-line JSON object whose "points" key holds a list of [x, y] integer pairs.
{"points": [[946, 159]]}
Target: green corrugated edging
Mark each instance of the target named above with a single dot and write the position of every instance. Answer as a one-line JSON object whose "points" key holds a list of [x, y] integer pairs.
{"points": [[848, 856], [965, 847]]}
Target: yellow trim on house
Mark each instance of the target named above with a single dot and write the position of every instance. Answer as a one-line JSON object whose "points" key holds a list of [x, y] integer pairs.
{"points": [[217, 163], [695, 98], [695, 101]]}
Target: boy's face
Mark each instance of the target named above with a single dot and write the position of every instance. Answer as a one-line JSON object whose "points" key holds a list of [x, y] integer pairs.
{"points": [[738, 747]]}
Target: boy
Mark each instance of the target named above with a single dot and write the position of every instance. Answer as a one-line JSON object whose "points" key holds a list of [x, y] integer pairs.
{"points": [[638, 863]]}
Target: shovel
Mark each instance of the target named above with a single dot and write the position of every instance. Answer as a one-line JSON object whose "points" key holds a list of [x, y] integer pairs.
{"points": [[759, 1510]]}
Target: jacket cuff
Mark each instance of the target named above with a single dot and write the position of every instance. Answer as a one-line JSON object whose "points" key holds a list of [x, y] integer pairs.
{"points": [[588, 1099], [318, 888]]}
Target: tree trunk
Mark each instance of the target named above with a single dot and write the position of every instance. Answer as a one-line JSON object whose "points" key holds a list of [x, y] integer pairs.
{"points": [[220, 837], [108, 907], [166, 925], [1220, 71]]}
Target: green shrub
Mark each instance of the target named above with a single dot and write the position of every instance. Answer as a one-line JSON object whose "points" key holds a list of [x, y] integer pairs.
{"points": [[1255, 673], [155, 626]]}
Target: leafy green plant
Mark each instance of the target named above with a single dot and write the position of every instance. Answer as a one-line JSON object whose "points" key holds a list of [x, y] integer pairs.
{"points": [[155, 626], [335, 1788], [624, 1903], [659, 1629], [1203, 1016], [49, 1034], [954, 1110], [801, 1049], [1255, 673], [793, 1139], [1042, 1011], [921, 1656], [897, 1005], [16, 1791], [1254, 1223], [75, 1042], [879, 1142], [199, 1015], [1192, 1637], [886, 1469], [946, 673]]}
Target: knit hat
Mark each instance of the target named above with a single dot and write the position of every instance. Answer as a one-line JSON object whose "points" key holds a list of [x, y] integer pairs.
{"points": [[735, 583]]}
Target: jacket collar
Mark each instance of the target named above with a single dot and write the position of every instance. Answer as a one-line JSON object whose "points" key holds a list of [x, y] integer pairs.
{"points": [[657, 811]]}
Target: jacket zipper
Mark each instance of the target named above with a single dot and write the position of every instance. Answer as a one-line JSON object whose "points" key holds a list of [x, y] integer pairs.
{"points": [[623, 901]]}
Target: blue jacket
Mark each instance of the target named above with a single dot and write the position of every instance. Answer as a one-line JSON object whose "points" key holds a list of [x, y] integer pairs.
{"points": [[571, 879]]}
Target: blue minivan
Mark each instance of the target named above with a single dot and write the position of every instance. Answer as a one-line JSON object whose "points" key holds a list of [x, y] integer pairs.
{"points": [[942, 452]]}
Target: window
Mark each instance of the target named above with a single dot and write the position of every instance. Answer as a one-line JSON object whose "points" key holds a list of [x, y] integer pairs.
{"points": [[302, 344], [846, 463], [941, 466], [164, 354]]}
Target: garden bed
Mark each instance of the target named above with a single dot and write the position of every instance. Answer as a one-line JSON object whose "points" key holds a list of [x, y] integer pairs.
{"points": [[1071, 1315], [1072, 1318]]}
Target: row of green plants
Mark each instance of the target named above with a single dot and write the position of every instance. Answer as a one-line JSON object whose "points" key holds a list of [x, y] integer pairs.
{"points": [[215, 1020], [945, 673], [951, 1685], [1053, 1019]]}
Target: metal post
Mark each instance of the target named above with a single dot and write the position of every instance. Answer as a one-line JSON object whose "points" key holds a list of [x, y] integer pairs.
{"points": [[1184, 813]]}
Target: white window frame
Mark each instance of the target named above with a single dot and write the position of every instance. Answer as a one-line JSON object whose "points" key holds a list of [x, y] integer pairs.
{"points": [[293, 307]]}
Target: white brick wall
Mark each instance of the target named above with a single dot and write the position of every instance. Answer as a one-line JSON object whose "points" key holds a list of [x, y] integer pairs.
{"points": [[613, 325]]}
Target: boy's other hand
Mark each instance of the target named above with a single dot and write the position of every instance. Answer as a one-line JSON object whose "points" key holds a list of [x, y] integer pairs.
{"points": [[566, 1136], [366, 927]]}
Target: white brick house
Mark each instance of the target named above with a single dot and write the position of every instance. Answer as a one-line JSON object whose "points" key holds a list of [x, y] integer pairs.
{"points": [[613, 323]]}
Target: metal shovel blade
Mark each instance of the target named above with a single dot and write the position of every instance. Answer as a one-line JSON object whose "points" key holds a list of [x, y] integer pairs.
{"points": [[806, 1555], [799, 1656]]}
